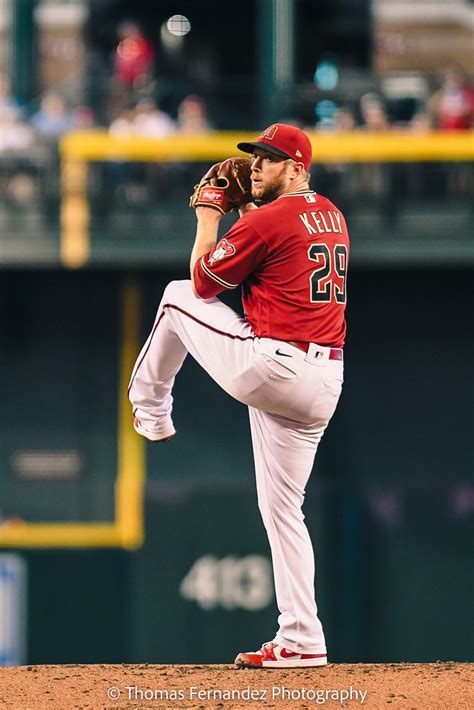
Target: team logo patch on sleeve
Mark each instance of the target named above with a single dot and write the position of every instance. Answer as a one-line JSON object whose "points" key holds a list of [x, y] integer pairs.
{"points": [[223, 249]]}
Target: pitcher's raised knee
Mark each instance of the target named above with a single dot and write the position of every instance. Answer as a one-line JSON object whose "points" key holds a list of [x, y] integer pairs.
{"points": [[178, 292], [175, 291]]}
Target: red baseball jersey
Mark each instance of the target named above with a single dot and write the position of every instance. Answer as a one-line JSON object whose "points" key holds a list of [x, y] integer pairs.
{"points": [[291, 258]]}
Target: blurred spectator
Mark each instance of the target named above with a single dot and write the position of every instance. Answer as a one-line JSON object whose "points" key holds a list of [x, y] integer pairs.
{"points": [[134, 57], [344, 120], [421, 122], [7, 100], [150, 121], [137, 181], [15, 134], [374, 116], [421, 176], [17, 165], [82, 118], [339, 175], [53, 119], [123, 125], [453, 104], [373, 180], [119, 172], [192, 116], [452, 107]]}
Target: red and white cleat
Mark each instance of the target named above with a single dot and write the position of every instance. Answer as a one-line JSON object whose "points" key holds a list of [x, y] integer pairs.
{"points": [[151, 436], [271, 655]]}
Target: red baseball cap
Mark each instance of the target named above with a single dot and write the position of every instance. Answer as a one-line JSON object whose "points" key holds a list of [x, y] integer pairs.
{"points": [[284, 140]]}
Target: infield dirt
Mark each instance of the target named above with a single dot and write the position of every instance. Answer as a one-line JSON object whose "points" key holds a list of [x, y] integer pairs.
{"points": [[440, 686]]}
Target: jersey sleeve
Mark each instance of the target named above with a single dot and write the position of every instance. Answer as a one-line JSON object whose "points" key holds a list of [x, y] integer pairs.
{"points": [[238, 254]]}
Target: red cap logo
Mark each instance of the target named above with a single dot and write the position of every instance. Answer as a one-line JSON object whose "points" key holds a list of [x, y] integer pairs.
{"points": [[269, 132], [290, 140]]}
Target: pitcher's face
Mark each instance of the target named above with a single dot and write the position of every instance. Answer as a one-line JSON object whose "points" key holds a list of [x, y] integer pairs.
{"points": [[269, 175]]}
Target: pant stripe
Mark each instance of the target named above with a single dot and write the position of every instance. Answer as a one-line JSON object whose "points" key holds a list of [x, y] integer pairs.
{"points": [[196, 320]]}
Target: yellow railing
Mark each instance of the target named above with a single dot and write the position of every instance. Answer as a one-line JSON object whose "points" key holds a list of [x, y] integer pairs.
{"points": [[327, 147]]}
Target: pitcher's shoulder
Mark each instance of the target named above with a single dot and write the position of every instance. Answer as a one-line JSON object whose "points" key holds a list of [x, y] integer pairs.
{"points": [[261, 216]]}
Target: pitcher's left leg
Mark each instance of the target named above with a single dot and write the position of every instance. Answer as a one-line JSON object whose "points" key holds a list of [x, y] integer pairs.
{"points": [[284, 454], [219, 339]]}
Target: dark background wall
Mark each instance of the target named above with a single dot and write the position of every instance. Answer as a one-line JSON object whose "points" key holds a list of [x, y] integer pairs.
{"points": [[389, 505]]}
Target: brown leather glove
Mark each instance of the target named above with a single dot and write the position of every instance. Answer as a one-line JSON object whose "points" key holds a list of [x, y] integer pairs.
{"points": [[225, 187]]}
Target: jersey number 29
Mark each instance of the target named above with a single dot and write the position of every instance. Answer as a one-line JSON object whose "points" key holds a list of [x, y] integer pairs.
{"points": [[330, 264]]}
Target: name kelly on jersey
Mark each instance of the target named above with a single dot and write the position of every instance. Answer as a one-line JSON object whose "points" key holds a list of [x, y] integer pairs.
{"points": [[319, 222]]}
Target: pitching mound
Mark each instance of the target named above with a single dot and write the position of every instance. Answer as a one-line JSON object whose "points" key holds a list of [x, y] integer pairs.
{"points": [[444, 686]]}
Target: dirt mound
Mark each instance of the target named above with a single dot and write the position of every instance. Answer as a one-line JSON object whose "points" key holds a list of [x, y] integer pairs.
{"points": [[443, 686]]}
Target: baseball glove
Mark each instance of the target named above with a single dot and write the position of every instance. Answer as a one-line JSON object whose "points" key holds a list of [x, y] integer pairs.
{"points": [[225, 187]]}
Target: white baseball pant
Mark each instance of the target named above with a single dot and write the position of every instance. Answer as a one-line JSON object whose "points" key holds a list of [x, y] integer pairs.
{"points": [[291, 398]]}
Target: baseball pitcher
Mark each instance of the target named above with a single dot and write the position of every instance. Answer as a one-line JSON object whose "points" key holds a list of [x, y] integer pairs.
{"points": [[284, 359]]}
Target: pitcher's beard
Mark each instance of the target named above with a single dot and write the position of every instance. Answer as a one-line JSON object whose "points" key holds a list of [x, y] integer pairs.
{"points": [[268, 194]]}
